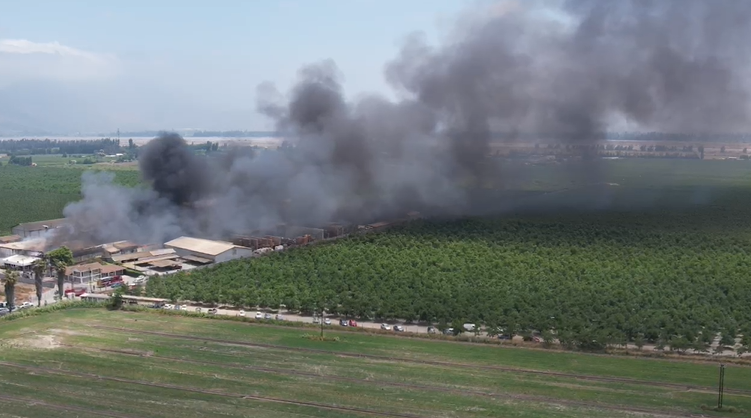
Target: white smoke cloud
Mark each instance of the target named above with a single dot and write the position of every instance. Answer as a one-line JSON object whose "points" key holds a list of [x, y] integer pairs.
{"points": [[23, 60]]}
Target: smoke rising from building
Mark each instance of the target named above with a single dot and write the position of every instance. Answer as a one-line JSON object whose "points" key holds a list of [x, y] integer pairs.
{"points": [[561, 70]]}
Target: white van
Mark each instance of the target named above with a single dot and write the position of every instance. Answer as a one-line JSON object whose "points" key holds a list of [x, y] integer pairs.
{"points": [[469, 327]]}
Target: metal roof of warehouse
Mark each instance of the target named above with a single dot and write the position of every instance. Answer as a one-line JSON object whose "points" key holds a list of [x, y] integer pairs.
{"points": [[201, 246], [33, 245]]}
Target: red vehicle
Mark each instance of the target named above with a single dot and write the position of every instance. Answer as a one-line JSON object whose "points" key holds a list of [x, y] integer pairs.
{"points": [[111, 281], [352, 323], [75, 292]]}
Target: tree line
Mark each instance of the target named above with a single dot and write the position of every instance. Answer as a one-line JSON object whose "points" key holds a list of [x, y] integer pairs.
{"points": [[59, 146]]}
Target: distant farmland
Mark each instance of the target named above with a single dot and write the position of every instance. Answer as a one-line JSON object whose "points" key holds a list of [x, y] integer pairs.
{"points": [[30, 194]]}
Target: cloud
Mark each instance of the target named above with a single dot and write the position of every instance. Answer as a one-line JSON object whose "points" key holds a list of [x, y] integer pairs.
{"points": [[24, 60], [23, 46]]}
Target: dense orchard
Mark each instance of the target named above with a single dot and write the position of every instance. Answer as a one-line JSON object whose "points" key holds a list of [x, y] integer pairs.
{"points": [[672, 278]]}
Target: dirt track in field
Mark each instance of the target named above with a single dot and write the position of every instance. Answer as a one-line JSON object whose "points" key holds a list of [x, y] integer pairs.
{"points": [[58, 407]]}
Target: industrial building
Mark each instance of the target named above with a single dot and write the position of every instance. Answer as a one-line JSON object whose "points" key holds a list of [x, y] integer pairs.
{"points": [[204, 251], [37, 229], [33, 248], [150, 262], [19, 262]]}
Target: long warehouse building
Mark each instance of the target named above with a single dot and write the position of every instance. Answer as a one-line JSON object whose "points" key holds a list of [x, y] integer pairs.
{"points": [[206, 251]]}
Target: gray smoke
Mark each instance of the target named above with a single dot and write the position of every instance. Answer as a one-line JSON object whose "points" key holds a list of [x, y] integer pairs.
{"points": [[563, 70]]}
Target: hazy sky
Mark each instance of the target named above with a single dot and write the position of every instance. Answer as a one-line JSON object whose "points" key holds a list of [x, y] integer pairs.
{"points": [[136, 64]]}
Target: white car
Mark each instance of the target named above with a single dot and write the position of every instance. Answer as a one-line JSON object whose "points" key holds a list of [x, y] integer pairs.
{"points": [[168, 306], [398, 328], [385, 327], [184, 307], [259, 315], [26, 305], [241, 313], [327, 321]]}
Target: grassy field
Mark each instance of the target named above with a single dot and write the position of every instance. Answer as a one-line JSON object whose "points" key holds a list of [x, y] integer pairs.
{"points": [[91, 362]]}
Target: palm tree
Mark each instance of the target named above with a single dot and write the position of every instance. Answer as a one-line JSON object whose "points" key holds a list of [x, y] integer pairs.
{"points": [[9, 281], [60, 268], [39, 268], [59, 259]]}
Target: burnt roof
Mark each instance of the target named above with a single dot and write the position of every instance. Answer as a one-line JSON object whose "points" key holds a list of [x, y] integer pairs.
{"points": [[10, 238]]}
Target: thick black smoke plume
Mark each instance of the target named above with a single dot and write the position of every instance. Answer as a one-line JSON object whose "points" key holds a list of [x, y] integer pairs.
{"points": [[173, 170], [565, 70]]}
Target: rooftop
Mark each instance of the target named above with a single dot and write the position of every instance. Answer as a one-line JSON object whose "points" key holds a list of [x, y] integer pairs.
{"points": [[20, 260], [121, 258], [165, 264], [109, 268], [32, 245], [149, 260], [10, 238], [82, 268], [37, 226], [125, 245], [201, 246]]}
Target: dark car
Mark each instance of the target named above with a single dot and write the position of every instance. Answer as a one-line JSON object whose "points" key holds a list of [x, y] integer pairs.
{"points": [[431, 330], [343, 322]]}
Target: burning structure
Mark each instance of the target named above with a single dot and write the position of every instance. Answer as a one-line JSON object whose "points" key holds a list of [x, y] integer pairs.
{"points": [[516, 67], [37, 229]]}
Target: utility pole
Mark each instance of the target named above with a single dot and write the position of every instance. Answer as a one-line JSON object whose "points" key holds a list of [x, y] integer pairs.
{"points": [[721, 389], [321, 322]]}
